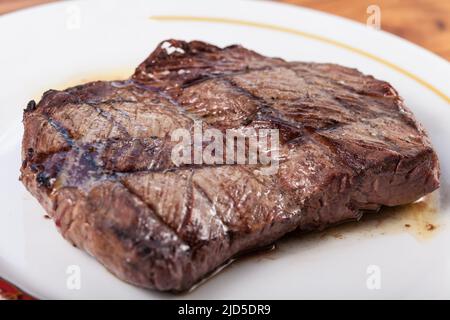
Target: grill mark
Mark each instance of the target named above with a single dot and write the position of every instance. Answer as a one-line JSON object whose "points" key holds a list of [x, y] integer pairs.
{"points": [[211, 76], [41, 157], [223, 76], [36, 164], [268, 107], [178, 107], [154, 212], [264, 104], [165, 96], [176, 169], [331, 146], [189, 198], [74, 98], [203, 192], [229, 196], [245, 92], [136, 109], [290, 199], [318, 75], [397, 166], [61, 130], [75, 146], [108, 116], [352, 91], [123, 113], [110, 102], [140, 85]]}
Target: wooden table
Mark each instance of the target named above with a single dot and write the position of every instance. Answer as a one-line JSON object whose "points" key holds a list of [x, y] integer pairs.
{"points": [[424, 22]]}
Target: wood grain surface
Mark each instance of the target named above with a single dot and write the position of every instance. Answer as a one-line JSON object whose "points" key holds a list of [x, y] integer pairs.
{"points": [[424, 22]]}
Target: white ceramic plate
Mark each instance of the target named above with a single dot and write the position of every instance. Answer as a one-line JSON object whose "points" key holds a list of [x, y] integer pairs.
{"points": [[69, 42]]}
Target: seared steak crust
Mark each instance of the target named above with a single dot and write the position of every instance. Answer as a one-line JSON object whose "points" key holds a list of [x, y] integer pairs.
{"points": [[97, 157]]}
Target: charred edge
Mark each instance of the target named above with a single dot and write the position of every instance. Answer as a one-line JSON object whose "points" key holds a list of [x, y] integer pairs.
{"points": [[28, 158], [31, 106], [43, 179], [36, 167], [62, 131], [30, 153]]}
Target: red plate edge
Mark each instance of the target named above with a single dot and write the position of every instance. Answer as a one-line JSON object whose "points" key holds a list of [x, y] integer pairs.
{"points": [[10, 292]]}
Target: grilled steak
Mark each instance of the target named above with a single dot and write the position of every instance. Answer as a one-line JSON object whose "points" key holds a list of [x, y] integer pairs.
{"points": [[98, 158]]}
